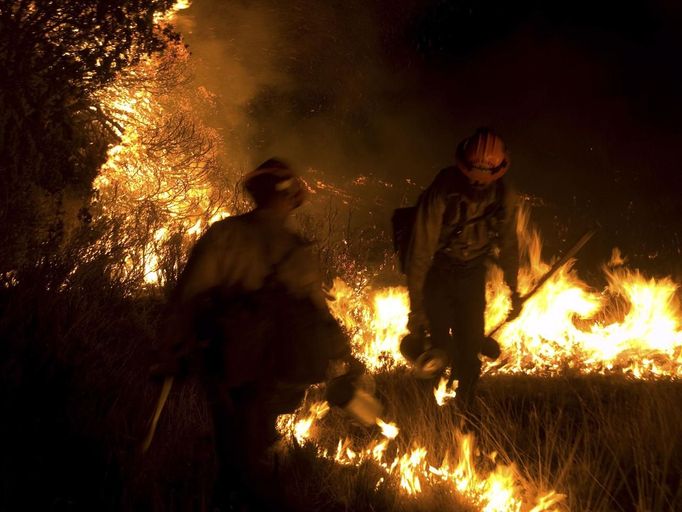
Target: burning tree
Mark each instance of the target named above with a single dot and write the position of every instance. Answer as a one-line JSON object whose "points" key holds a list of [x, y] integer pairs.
{"points": [[161, 185], [54, 133]]}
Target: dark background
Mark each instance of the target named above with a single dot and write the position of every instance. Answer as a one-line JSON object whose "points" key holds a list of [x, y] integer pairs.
{"points": [[586, 94]]}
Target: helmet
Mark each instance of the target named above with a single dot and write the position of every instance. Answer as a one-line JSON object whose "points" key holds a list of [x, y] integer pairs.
{"points": [[274, 178], [482, 157]]}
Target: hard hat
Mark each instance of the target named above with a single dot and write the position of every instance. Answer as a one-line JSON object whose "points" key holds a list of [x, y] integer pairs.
{"points": [[275, 177], [482, 157]]}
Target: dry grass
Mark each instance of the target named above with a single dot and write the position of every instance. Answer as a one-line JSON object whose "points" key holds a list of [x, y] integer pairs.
{"points": [[606, 442], [75, 397]]}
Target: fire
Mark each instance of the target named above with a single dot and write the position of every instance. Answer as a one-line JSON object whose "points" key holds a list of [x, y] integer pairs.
{"points": [[389, 430], [301, 429], [444, 393], [631, 327], [159, 177], [165, 17], [500, 489], [376, 319]]}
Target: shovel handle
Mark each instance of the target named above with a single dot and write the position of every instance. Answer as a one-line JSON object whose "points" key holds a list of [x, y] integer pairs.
{"points": [[160, 403], [555, 268]]}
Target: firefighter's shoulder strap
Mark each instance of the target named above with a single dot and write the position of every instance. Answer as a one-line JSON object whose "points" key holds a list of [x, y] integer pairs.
{"points": [[403, 220], [492, 213]]}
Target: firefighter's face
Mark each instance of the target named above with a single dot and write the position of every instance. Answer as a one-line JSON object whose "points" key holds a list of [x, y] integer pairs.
{"points": [[480, 178]]}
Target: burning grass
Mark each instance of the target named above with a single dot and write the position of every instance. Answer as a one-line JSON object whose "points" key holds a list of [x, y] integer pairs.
{"points": [[630, 331], [606, 442], [604, 430], [633, 326], [75, 363]]}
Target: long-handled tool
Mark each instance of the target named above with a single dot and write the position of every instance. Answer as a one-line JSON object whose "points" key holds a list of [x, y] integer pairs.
{"points": [[160, 403], [552, 271], [555, 268]]}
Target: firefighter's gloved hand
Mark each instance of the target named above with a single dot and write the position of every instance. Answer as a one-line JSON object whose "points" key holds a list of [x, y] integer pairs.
{"points": [[417, 323], [517, 306]]}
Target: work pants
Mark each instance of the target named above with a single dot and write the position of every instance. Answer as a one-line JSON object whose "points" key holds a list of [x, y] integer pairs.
{"points": [[454, 302]]}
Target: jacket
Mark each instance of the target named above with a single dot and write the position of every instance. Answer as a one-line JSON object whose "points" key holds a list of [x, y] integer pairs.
{"points": [[242, 252], [251, 299], [458, 225]]}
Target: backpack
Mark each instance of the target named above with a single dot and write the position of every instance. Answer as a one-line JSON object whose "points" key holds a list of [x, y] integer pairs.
{"points": [[402, 222]]}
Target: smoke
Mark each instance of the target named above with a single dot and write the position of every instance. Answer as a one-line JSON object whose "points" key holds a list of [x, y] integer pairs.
{"points": [[309, 82], [387, 89]]}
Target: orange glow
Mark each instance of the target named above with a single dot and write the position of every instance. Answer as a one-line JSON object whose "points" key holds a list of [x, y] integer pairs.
{"points": [[157, 178], [566, 324], [632, 327], [500, 489]]}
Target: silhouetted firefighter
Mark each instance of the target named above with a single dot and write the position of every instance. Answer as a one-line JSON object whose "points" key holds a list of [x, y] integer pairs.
{"points": [[249, 313], [461, 221]]}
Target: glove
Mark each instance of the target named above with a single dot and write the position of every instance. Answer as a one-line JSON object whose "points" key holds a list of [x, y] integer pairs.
{"points": [[517, 306], [417, 322]]}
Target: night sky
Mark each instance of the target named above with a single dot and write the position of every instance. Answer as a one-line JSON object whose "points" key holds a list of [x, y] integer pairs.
{"points": [[586, 94]]}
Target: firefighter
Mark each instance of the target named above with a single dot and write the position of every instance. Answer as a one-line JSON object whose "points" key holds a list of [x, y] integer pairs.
{"points": [[250, 314], [464, 219]]}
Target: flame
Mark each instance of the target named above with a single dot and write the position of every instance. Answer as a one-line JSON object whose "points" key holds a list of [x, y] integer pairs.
{"points": [[444, 393], [498, 490], [300, 429], [376, 319], [161, 165], [389, 430], [631, 327], [169, 15], [181, 5]]}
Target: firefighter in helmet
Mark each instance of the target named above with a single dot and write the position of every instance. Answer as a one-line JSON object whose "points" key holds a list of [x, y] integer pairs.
{"points": [[465, 218], [249, 312]]}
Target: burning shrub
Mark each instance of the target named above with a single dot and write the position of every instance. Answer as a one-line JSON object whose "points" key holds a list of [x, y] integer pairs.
{"points": [[53, 133]]}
